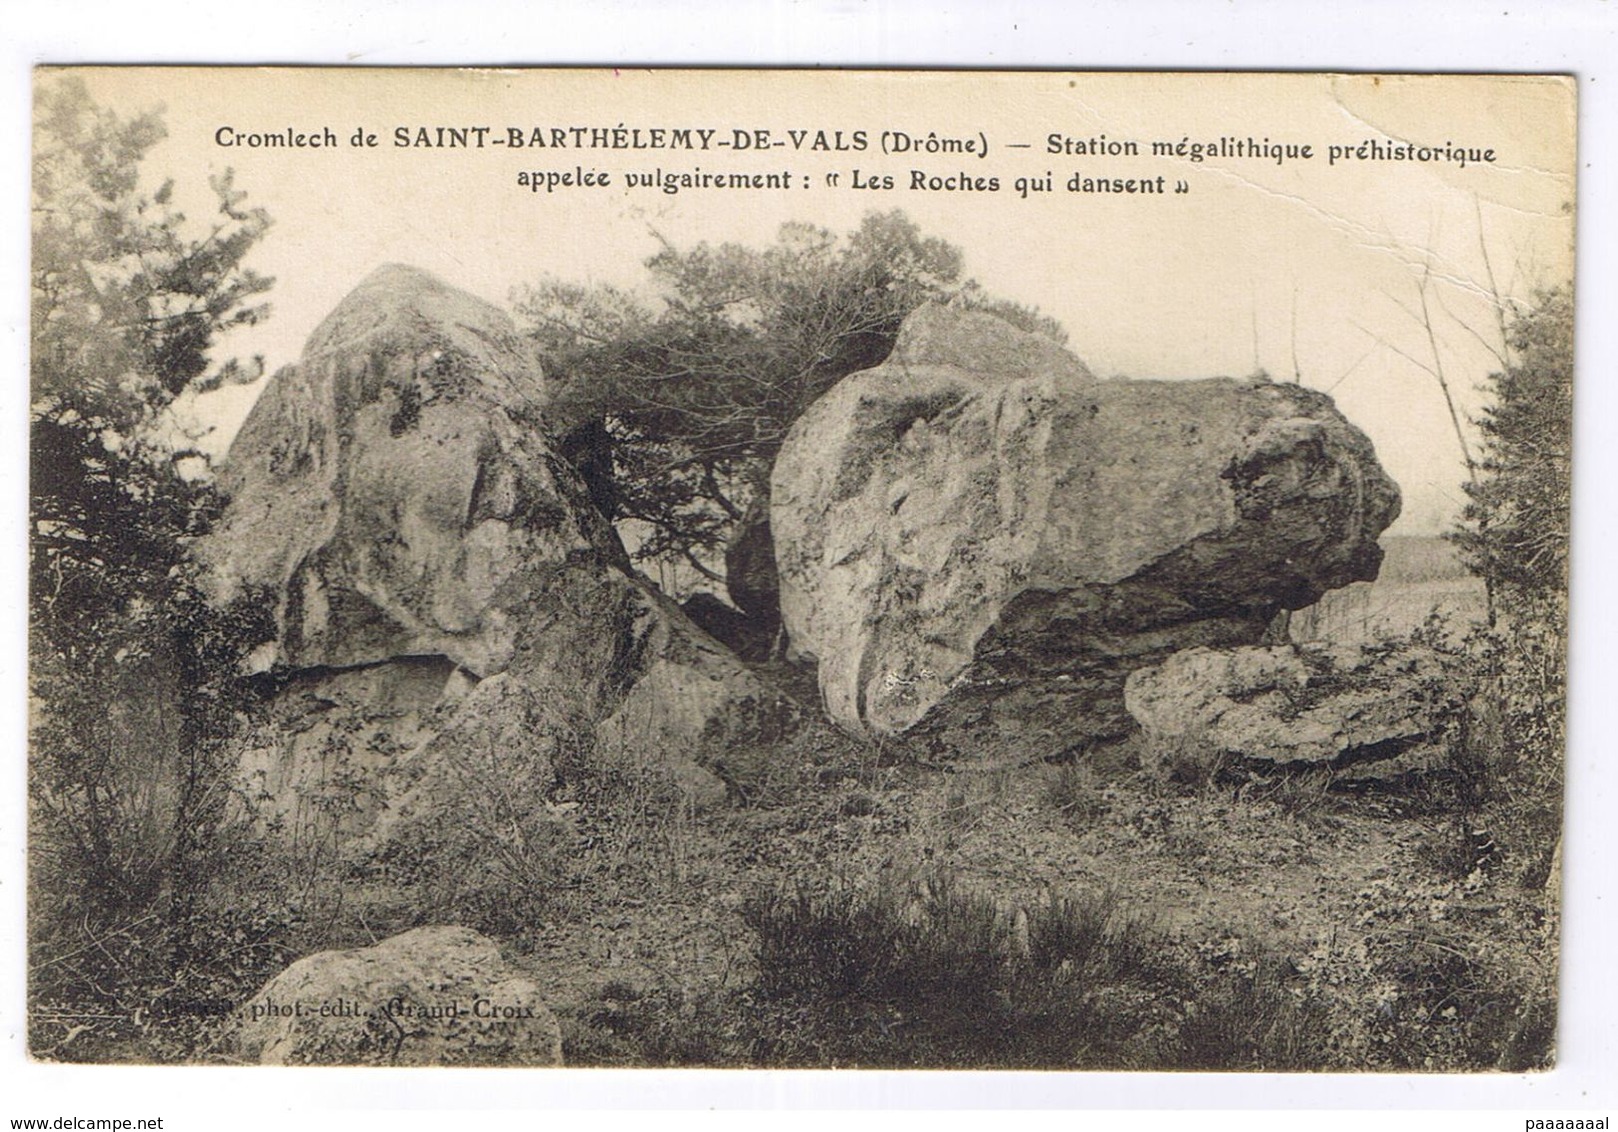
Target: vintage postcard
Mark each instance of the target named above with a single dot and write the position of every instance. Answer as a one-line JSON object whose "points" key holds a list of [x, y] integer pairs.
{"points": [[786, 569]]}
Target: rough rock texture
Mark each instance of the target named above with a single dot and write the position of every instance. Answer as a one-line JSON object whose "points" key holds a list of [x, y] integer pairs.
{"points": [[390, 487], [444, 588], [432, 996], [491, 758], [1367, 712], [979, 535], [319, 752], [690, 700]]}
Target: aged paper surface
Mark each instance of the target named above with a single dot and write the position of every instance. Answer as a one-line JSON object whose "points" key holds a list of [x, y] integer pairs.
{"points": [[798, 569]]}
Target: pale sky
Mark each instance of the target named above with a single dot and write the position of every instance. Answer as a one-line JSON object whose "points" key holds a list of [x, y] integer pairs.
{"points": [[1260, 264]]}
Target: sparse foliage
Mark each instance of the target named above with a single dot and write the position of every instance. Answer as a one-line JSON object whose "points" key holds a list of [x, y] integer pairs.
{"points": [[1517, 516], [131, 671], [1516, 532], [127, 297], [943, 977]]}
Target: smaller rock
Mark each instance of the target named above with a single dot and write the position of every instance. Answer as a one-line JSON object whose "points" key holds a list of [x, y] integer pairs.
{"points": [[691, 705], [492, 763], [432, 996], [1378, 712]]}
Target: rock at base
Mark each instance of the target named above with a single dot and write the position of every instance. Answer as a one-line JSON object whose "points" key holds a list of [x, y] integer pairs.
{"points": [[1365, 713], [432, 996], [316, 757]]}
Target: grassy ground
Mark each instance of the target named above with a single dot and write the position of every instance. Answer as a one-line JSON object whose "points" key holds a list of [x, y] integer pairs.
{"points": [[851, 908], [1338, 931], [1286, 924]]}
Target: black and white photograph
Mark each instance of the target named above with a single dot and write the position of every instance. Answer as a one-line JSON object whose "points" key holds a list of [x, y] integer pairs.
{"points": [[745, 569]]}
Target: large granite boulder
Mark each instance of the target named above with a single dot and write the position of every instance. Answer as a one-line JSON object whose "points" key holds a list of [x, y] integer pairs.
{"points": [[1363, 712], [391, 488], [450, 606], [980, 537], [432, 996]]}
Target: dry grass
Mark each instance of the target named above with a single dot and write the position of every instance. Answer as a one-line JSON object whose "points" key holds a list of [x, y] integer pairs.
{"points": [[848, 907]]}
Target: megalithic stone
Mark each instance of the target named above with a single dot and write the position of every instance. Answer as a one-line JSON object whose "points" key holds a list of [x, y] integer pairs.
{"points": [[979, 536]]}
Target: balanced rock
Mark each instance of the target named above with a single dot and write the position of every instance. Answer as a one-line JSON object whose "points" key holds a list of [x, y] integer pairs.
{"points": [[979, 536], [449, 605], [432, 996], [1365, 712]]}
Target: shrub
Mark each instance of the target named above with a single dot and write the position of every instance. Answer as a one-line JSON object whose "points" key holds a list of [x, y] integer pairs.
{"points": [[1253, 1019], [1189, 761], [935, 975], [1073, 791], [943, 977], [156, 986], [942, 945]]}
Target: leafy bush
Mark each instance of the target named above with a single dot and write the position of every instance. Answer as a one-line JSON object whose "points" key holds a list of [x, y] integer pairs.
{"points": [[473, 836], [674, 408], [1515, 535], [1516, 522]]}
